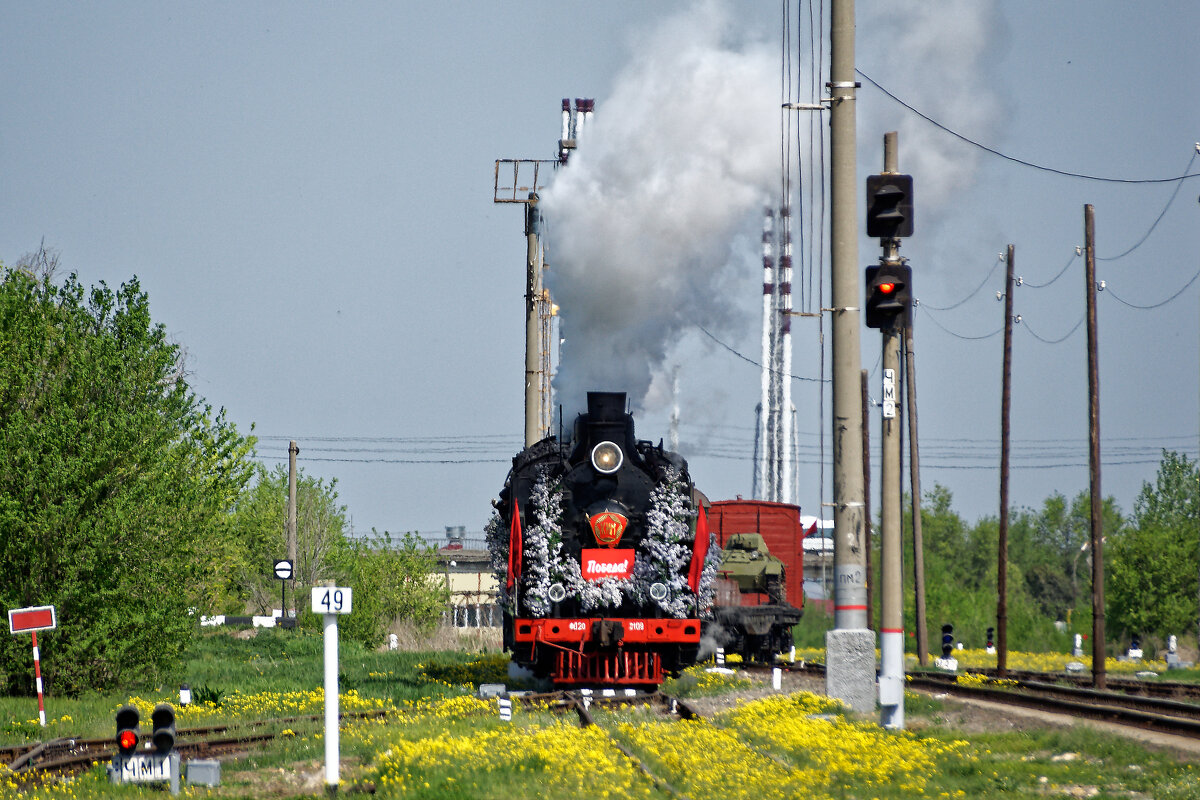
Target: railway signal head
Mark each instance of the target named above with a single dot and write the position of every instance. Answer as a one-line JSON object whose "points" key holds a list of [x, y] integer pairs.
{"points": [[991, 637], [947, 640], [889, 295], [162, 722], [127, 729], [889, 206]]}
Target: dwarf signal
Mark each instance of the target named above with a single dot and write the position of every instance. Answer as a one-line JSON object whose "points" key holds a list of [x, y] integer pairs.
{"points": [[128, 737]]}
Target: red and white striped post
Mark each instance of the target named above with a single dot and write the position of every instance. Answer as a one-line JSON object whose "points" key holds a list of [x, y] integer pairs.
{"points": [[37, 674], [34, 619]]}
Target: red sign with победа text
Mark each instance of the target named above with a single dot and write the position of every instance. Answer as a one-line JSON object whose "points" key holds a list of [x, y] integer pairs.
{"points": [[600, 564]]}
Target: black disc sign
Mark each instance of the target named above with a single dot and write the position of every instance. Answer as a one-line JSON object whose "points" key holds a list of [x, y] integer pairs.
{"points": [[283, 569]]}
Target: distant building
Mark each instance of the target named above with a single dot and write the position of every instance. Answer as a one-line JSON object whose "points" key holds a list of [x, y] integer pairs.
{"points": [[465, 561], [818, 558]]}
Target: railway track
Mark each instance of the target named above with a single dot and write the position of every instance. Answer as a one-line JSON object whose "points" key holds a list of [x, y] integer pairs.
{"points": [[70, 755], [1164, 707]]}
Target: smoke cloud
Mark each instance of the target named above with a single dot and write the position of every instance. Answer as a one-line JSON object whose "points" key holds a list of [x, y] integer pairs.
{"points": [[933, 56], [659, 208]]}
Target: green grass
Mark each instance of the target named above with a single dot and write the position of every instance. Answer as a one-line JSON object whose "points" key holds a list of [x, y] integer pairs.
{"points": [[271, 661], [1042, 763]]}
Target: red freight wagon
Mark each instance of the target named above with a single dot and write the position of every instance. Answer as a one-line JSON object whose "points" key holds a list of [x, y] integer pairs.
{"points": [[779, 525]]}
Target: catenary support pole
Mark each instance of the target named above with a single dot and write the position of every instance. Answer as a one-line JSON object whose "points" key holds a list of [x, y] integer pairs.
{"points": [[1099, 677]]}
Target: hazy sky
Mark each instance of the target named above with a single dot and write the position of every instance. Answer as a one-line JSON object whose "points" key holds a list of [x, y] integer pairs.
{"points": [[305, 192]]}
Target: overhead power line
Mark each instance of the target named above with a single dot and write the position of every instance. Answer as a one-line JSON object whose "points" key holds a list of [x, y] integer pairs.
{"points": [[1157, 219], [1065, 336], [1015, 160], [933, 319], [749, 360], [1061, 272], [1108, 290]]}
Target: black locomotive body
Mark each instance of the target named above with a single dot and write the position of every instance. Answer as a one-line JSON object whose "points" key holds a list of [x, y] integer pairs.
{"points": [[605, 562]]}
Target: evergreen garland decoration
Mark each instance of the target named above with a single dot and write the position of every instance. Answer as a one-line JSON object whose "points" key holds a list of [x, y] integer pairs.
{"points": [[543, 544], [665, 552], [663, 556]]}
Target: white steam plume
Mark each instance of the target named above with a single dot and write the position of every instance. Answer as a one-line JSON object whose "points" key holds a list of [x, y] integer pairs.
{"points": [[673, 170], [933, 56]]}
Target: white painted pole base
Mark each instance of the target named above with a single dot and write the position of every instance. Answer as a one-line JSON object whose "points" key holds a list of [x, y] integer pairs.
{"points": [[891, 679], [332, 742]]}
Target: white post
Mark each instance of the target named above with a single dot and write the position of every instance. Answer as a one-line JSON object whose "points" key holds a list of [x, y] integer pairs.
{"points": [[331, 702]]}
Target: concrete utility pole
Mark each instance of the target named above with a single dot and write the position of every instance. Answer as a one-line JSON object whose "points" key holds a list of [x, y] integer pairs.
{"points": [[534, 429], [850, 647], [866, 456], [1099, 677], [891, 627], [293, 451], [1005, 409]]}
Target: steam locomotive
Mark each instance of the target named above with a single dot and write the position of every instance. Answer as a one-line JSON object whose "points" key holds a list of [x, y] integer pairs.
{"points": [[604, 558]]}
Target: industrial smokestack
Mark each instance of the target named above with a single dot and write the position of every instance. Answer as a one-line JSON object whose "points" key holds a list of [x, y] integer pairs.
{"points": [[763, 451], [785, 364]]}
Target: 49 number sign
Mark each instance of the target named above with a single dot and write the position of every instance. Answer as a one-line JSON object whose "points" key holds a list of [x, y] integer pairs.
{"points": [[331, 599]]}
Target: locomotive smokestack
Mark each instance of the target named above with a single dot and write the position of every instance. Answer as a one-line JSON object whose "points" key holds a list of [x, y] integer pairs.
{"points": [[606, 406]]}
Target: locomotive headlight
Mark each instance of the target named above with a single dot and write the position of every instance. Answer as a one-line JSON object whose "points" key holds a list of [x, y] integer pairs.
{"points": [[557, 593], [658, 592], [607, 458]]}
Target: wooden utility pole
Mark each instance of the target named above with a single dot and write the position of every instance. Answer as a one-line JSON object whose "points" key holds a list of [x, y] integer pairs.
{"points": [[914, 475], [866, 455], [293, 451], [1005, 409], [1099, 679]]}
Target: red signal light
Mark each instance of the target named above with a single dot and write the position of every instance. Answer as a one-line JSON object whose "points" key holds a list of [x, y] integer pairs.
{"points": [[127, 740], [887, 288]]}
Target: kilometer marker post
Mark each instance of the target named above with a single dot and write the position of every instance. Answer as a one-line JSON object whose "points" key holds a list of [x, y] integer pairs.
{"points": [[330, 601]]}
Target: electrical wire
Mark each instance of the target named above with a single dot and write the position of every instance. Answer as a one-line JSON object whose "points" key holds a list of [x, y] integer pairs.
{"points": [[1108, 290], [978, 288], [959, 335], [1053, 341], [1157, 220], [1061, 272], [749, 360], [1020, 161]]}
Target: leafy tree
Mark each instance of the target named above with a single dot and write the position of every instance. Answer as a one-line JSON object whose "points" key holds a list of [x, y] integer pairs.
{"points": [[115, 483], [260, 529], [391, 579], [1152, 566]]}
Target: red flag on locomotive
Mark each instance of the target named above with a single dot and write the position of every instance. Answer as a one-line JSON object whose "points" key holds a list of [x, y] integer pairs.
{"points": [[514, 546], [699, 550]]}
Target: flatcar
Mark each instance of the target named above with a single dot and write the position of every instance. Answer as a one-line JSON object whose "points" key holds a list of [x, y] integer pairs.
{"points": [[760, 581]]}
